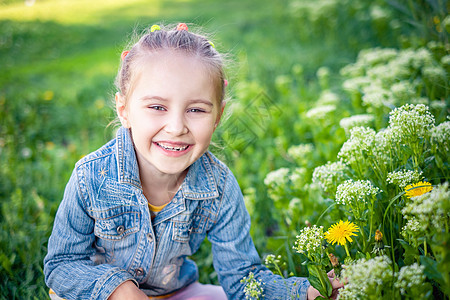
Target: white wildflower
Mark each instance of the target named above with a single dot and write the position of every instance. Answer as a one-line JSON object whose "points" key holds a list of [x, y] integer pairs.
{"points": [[372, 57], [309, 240], [277, 177], [403, 91], [301, 153], [410, 123], [298, 177], [434, 74], [404, 177], [330, 175], [376, 96], [430, 209], [351, 192], [440, 136], [364, 120], [327, 97], [361, 140], [320, 112], [367, 278], [356, 84], [411, 277], [253, 288]]}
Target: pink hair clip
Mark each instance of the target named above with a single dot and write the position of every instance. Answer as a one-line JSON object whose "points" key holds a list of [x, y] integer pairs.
{"points": [[225, 82], [124, 54], [182, 26]]}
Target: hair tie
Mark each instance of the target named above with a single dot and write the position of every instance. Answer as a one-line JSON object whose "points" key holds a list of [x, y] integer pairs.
{"points": [[182, 26], [212, 44], [225, 82], [124, 54], [154, 28]]}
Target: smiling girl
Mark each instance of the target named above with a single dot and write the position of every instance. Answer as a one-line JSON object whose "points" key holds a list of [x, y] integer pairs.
{"points": [[137, 208]]}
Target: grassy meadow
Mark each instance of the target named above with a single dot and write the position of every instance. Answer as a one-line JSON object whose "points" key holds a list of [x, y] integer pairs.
{"points": [[59, 58]]}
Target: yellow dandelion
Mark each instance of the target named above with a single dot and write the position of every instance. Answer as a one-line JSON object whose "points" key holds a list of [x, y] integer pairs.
{"points": [[341, 232], [417, 189]]}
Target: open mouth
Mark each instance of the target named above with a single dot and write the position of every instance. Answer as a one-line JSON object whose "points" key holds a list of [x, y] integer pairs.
{"points": [[172, 148]]}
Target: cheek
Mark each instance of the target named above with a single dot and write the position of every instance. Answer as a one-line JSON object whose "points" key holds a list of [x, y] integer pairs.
{"points": [[203, 130]]}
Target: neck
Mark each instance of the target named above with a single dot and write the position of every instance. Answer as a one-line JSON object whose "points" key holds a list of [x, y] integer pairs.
{"points": [[159, 188]]}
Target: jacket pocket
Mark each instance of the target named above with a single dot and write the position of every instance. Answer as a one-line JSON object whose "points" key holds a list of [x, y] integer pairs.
{"points": [[181, 230], [116, 223]]}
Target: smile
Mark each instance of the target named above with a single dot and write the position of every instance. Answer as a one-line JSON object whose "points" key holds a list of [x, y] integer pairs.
{"points": [[171, 148]]}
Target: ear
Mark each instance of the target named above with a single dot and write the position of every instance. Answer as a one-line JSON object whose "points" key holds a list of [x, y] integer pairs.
{"points": [[219, 116], [122, 111]]}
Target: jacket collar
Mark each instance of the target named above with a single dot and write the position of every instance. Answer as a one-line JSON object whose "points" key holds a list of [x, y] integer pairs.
{"points": [[199, 183]]}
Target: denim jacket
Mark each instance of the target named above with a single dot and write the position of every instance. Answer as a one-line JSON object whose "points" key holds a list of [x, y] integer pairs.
{"points": [[103, 234]]}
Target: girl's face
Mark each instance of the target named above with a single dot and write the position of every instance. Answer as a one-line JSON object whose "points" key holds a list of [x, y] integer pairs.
{"points": [[171, 111]]}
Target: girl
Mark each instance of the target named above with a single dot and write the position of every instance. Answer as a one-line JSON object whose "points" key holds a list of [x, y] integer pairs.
{"points": [[134, 210]]}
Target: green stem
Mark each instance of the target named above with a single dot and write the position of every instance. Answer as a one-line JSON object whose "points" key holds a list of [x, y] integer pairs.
{"points": [[425, 247], [346, 250]]}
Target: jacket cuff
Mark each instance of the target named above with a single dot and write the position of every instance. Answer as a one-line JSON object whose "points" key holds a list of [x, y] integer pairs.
{"points": [[109, 282], [302, 285]]}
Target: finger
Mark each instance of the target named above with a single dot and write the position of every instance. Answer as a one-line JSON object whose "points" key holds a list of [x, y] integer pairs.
{"points": [[331, 274], [335, 283]]}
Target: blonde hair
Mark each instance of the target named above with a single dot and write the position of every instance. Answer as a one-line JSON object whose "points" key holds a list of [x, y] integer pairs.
{"points": [[181, 41]]}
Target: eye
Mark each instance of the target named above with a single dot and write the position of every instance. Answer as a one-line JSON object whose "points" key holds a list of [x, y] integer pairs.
{"points": [[196, 110], [157, 107]]}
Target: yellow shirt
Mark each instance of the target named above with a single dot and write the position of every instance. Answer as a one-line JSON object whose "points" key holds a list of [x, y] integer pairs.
{"points": [[154, 209]]}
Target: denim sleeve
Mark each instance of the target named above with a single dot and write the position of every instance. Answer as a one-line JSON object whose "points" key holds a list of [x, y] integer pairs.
{"points": [[235, 255], [68, 269]]}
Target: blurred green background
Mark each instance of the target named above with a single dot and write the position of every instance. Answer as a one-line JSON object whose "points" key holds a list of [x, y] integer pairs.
{"points": [[58, 60]]}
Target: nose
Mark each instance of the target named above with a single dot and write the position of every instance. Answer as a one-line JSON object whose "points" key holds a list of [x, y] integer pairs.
{"points": [[176, 124]]}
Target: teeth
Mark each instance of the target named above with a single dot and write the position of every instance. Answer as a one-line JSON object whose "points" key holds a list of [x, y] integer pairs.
{"points": [[173, 148]]}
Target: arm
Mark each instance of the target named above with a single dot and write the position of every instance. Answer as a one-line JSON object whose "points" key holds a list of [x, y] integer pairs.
{"points": [[68, 269], [235, 255]]}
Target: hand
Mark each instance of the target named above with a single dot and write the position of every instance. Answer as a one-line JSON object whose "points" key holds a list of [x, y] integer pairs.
{"points": [[128, 291], [313, 293]]}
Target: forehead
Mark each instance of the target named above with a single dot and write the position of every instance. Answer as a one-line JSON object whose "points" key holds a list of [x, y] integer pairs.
{"points": [[170, 70]]}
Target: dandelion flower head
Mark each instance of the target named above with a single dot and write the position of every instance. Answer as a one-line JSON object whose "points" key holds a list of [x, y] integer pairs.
{"points": [[417, 189], [341, 232]]}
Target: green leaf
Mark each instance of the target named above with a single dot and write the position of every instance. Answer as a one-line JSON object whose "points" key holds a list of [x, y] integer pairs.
{"points": [[410, 252], [317, 273], [431, 270], [315, 282]]}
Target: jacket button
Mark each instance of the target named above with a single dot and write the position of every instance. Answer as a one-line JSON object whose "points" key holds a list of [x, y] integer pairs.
{"points": [[120, 229], [150, 237], [139, 272]]}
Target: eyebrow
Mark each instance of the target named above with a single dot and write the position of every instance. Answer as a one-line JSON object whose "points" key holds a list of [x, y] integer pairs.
{"points": [[207, 102]]}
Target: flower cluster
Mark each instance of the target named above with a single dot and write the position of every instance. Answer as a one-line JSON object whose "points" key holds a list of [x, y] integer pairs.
{"points": [[276, 178], [253, 288], [411, 278], [404, 177], [301, 153], [361, 140], [411, 122], [430, 209], [364, 120], [440, 136], [309, 240], [320, 112], [328, 98], [367, 279], [330, 175], [351, 191]]}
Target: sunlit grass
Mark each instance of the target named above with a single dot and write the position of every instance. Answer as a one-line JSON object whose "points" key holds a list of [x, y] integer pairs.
{"points": [[79, 11]]}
